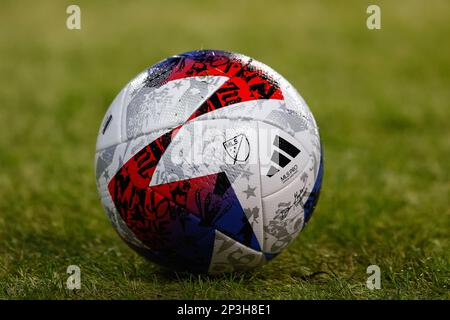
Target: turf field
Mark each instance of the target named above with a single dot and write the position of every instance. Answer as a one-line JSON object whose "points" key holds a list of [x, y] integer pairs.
{"points": [[380, 97]]}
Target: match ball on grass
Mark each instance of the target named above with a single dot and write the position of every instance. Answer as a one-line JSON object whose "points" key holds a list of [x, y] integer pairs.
{"points": [[209, 162]]}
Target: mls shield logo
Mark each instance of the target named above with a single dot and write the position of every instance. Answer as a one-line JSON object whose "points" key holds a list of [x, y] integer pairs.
{"points": [[238, 148]]}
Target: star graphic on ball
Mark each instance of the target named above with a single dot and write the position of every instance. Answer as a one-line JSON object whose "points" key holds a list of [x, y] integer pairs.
{"points": [[250, 192]]}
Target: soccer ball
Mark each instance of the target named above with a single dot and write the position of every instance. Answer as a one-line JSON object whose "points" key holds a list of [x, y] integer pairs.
{"points": [[209, 161]]}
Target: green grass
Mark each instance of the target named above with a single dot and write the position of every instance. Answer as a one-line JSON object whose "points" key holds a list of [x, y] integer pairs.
{"points": [[381, 99]]}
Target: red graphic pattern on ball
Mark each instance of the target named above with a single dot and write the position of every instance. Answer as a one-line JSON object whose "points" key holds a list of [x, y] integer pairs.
{"points": [[246, 82], [174, 219]]}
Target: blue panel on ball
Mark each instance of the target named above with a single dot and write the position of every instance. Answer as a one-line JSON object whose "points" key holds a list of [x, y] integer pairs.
{"points": [[310, 204], [233, 222], [193, 244], [189, 246]]}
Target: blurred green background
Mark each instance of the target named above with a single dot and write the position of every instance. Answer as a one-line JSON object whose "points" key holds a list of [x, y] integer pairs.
{"points": [[380, 97]]}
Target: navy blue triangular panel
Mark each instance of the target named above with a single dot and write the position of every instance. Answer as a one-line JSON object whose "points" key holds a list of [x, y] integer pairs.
{"points": [[233, 221], [189, 245], [193, 244]]}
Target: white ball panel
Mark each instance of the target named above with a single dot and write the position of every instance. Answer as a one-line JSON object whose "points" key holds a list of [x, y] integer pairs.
{"points": [[283, 211], [169, 105], [230, 255], [278, 164], [110, 132]]}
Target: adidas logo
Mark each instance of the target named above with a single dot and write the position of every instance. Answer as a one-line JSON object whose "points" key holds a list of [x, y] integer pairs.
{"points": [[281, 160]]}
